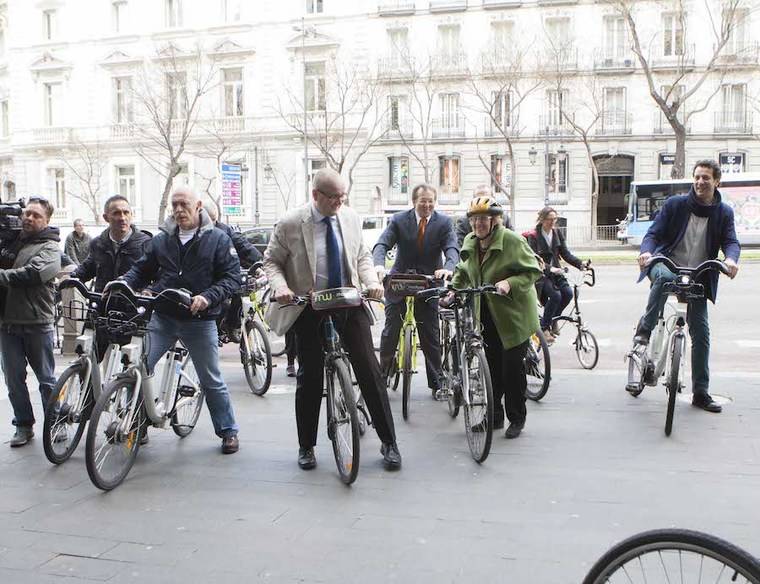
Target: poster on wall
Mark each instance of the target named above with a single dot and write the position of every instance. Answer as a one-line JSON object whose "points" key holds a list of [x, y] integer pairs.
{"points": [[731, 162]]}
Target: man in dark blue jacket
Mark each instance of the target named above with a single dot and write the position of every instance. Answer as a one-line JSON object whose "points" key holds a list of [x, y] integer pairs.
{"points": [[189, 253], [424, 239], [690, 229]]}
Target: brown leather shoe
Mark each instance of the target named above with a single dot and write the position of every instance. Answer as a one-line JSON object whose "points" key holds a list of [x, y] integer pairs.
{"points": [[230, 444]]}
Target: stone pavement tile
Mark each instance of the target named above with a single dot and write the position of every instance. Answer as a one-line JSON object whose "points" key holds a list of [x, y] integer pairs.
{"points": [[169, 554], [23, 559], [87, 568], [8, 576], [74, 545]]}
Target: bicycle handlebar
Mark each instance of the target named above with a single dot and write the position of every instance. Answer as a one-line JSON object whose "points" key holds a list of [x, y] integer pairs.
{"points": [[80, 287], [695, 272], [179, 296], [443, 291]]}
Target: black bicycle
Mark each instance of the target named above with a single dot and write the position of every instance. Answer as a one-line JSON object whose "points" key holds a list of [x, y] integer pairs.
{"points": [[586, 347], [674, 555]]}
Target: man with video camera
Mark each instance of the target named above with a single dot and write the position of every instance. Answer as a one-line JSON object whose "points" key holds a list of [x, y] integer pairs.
{"points": [[30, 262]]}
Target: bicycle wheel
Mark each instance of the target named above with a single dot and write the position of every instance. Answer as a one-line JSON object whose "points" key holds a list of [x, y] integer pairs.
{"points": [[64, 425], [636, 377], [342, 421], [478, 413], [538, 367], [406, 371], [674, 555], [110, 450], [448, 381], [673, 384], [256, 356], [189, 400], [587, 349]]}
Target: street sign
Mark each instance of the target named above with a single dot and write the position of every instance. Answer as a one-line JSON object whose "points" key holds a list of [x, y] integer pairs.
{"points": [[731, 162], [232, 197]]}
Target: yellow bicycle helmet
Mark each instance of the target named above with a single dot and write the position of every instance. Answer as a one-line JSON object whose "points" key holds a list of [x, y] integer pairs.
{"points": [[485, 206]]}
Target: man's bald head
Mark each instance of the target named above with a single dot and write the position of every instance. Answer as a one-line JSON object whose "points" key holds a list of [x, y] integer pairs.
{"points": [[329, 191], [186, 206]]}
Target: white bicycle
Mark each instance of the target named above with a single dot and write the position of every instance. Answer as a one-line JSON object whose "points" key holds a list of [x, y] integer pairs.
{"points": [[664, 354]]}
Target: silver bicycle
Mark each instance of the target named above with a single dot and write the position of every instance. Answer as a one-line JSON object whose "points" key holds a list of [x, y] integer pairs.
{"points": [[170, 395], [665, 352]]}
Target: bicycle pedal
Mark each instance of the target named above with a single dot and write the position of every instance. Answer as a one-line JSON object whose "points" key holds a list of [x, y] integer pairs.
{"points": [[186, 391]]}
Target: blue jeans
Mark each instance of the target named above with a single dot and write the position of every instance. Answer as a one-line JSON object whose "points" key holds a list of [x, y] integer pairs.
{"points": [[696, 318], [24, 344], [201, 339]]}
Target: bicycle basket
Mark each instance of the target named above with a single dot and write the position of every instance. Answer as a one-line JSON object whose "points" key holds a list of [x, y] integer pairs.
{"points": [[334, 298], [76, 310], [406, 284]]}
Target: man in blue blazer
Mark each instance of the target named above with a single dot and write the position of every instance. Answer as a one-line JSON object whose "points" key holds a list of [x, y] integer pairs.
{"points": [[425, 244], [689, 230]]}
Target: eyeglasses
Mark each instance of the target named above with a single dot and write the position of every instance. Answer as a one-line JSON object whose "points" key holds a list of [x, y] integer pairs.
{"points": [[335, 197]]}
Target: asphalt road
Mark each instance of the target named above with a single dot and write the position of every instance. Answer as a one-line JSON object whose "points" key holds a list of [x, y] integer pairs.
{"points": [[592, 467]]}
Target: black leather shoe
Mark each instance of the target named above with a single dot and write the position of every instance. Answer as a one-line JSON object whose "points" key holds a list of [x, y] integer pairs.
{"points": [[514, 430], [391, 456], [706, 403], [22, 436], [230, 444], [291, 370], [306, 458], [641, 336]]}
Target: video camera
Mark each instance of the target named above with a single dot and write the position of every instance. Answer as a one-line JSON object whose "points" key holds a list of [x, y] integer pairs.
{"points": [[10, 227]]}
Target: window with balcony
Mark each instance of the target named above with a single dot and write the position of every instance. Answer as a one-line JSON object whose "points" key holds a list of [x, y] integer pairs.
{"points": [[314, 76], [314, 6], [501, 173], [119, 15], [737, 41], [502, 37], [449, 110], [558, 31], [173, 13], [396, 107], [232, 86], [448, 176], [501, 109], [49, 24], [52, 103], [122, 100], [733, 113], [176, 95], [230, 10], [672, 35], [555, 103], [5, 129], [558, 165], [614, 110], [615, 39], [448, 49], [125, 183], [57, 180], [398, 178], [398, 47]]}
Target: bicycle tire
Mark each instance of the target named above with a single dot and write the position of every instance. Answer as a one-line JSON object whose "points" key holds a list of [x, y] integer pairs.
{"points": [[538, 366], [633, 552], [454, 397], [478, 413], [587, 349], [118, 393], [58, 416], [673, 381], [406, 371], [636, 370], [256, 357], [183, 421], [342, 414]]}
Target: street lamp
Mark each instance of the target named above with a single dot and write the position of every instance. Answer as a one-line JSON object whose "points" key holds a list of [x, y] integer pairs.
{"points": [[267, 172], [305, 31], [532, 153]]}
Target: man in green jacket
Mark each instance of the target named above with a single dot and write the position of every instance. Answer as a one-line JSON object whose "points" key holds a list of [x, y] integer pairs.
{"points": [[28, 313], [492, 254]]}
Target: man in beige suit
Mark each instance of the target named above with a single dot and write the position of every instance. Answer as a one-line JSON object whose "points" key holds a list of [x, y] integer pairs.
{"points": [[315, 247]]}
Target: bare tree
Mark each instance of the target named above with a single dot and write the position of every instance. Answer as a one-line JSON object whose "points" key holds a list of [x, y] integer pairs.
{"points": [[169, 95], [344, 122], [284, 182], [499, 90], [680, 82], [87, 163]]}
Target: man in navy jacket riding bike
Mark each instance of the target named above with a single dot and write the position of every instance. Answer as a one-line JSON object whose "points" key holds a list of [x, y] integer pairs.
{"points": [[689, 230]]}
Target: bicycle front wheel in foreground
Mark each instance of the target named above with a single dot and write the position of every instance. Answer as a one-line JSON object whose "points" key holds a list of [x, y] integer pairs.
{"points": [[538, 367], [189, 401], [256, 354], [587, 349], [673, 382], [343, 421], [478, 409], [674, 555], [111, 448], [64, 425], [406, 372]]}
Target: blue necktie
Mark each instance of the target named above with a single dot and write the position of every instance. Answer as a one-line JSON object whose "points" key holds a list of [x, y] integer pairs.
{"points": [[333, 256]]}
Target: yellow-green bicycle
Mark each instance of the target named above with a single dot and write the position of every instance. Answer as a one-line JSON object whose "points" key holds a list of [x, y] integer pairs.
{"points": [[404, 362]]}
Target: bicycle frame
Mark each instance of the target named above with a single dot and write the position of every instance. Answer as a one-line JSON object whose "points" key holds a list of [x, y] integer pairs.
{"points": [[575, 312], [663, 341], [467, 339], [409, 321]]}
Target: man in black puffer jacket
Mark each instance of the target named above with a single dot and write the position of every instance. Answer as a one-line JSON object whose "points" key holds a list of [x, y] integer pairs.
{"points": [[189, 253]]}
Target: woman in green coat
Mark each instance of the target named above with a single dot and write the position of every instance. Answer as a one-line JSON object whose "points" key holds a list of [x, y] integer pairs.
{"points": [[492, 254]]}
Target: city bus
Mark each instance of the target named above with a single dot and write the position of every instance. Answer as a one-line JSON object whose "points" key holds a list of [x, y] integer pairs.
{"points": [[645, 199]]}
